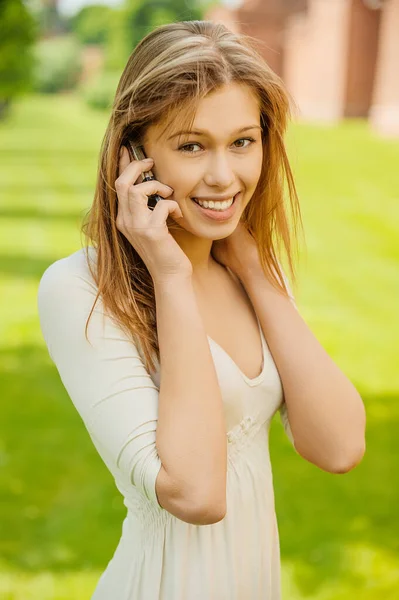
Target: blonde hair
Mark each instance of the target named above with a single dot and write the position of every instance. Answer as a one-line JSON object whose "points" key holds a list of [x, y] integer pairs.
{"points": [[174, 67]]}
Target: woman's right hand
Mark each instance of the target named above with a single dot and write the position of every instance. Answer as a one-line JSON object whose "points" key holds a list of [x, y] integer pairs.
{"points": [[146, 229]]}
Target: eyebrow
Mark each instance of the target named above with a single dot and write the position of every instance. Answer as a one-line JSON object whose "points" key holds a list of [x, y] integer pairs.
{"points": [[204, 133]]}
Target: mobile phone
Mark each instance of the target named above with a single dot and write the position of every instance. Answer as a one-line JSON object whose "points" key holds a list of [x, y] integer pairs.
{"points": [[136, 152]]}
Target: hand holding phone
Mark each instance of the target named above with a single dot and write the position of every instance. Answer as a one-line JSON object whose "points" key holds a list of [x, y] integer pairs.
{"points": [[136, 152], [146, 228]]}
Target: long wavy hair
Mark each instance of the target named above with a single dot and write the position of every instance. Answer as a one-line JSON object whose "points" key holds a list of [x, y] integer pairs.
{"points": [[168, 73]]}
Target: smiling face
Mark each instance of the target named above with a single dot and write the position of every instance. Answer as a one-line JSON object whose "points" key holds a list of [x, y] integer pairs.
{"points": [[226, 158]]}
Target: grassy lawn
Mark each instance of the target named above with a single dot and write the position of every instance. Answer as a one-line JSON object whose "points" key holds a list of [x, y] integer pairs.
{"points": [[61, 513]]}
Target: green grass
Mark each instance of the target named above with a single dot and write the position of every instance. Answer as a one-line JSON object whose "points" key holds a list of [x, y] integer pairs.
{"points": [[61, 513]]}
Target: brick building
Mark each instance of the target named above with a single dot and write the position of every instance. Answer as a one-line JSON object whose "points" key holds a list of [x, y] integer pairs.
{"points": [[338, 58]]}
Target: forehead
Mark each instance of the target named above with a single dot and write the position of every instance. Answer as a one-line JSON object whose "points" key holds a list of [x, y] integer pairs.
{"points": [[226, 109]]}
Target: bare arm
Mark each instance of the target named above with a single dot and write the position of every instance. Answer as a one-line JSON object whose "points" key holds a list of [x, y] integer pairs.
{"points": [[191, 436], [326, 413]]}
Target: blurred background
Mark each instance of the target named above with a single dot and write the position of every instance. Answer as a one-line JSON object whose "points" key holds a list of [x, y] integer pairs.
{"points": [[60, 62]]}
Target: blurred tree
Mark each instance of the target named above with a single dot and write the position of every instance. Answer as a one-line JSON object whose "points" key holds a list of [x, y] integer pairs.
{"points": [[18, 32], [58, 64], [48, 17], [128, 24], [144, 15], [91, 24], [136, 18]]}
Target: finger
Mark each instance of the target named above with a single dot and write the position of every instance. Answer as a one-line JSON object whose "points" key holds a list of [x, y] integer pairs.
{"points": [[131, 172], [124, 160], [139, 193], [162, 210]]}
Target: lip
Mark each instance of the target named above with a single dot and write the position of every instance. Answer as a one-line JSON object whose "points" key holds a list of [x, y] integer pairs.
{"points": [[214, 215]]}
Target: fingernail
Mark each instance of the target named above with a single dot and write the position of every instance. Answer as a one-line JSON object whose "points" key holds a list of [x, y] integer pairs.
{"points": [[148, 160]]}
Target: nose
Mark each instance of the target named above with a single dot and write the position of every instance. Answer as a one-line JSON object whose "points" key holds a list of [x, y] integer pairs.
{"points": [[219, 172]]}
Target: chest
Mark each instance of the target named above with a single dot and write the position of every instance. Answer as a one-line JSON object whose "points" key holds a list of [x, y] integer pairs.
{"points": [[230, 321]]}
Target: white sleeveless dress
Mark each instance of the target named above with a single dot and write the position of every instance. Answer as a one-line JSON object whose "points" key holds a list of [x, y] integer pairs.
{"points": [[160, 557]]}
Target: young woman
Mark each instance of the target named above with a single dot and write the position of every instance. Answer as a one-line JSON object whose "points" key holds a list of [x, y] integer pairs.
{"points": [[175, 332]]}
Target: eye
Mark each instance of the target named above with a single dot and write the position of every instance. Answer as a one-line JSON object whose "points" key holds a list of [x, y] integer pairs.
{"points": [[185, 146]]}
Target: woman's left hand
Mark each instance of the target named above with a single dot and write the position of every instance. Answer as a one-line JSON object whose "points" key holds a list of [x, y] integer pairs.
{"points": [[238, 251]]}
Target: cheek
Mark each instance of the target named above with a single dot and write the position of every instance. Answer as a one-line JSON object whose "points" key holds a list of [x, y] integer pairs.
{"points": [[259, 164], [252, 168], [253, 175], [252, 180], [176, 175]]}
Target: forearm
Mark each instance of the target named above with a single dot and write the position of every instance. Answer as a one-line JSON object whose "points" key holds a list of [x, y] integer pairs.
{"points": [[191, 435], [325, 411]]}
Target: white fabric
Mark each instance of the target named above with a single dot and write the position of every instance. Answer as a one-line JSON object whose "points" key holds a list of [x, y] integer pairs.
{"points": [[160, 557]]}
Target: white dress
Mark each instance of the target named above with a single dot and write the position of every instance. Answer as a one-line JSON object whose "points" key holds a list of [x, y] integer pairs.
{"points": [[160, 557]]}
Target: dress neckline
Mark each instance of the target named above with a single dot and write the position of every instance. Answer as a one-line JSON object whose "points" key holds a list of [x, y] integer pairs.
{"points": [[256, 380], [259, 378]]}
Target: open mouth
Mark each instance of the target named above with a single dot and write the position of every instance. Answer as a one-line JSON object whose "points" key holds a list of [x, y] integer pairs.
{"points": [[217, 206]]}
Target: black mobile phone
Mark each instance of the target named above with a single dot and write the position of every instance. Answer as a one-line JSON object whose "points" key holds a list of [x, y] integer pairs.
{"points": [[136, 152]]}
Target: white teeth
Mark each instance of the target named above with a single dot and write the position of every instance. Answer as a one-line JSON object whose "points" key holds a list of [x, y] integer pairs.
{"points": [[218, 206]]}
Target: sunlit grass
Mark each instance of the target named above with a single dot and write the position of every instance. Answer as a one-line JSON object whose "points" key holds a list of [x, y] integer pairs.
{"points": [[47, 585]]}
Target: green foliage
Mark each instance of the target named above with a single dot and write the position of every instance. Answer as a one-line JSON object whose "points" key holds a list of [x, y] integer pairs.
{"points": [[58, 64], [50, 21], [91, 24], [17, 36], [144, 15], [99, 93], [117, 47], [132, 22]]}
